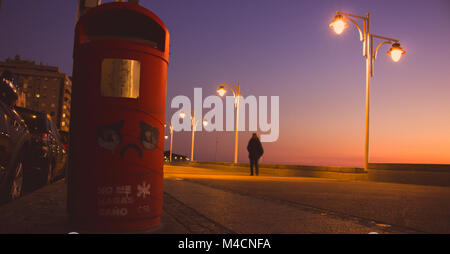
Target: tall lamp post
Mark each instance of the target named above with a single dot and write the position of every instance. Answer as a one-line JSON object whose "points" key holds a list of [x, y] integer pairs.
{"points": [[339, 24], [171, 140], [194, 123], [236, 90]]}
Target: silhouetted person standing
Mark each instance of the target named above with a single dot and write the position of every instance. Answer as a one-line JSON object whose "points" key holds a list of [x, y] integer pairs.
{"points": [[255, 151]]}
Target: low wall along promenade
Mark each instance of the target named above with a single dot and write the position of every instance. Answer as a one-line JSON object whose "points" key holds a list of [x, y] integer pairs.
{"points": [[422, 174]]}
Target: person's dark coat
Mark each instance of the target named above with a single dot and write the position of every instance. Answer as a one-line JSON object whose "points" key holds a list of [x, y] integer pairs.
{"points": [[255, 149]]}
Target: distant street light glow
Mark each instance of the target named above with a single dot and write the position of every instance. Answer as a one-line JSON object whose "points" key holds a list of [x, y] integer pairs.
{"points": [[221, 91]]}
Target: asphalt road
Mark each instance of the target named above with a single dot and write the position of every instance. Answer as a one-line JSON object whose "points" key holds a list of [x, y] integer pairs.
{"points": [[233, 202]]}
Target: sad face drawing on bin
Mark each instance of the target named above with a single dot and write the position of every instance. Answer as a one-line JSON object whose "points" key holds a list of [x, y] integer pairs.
{"points": [[109, 137]]}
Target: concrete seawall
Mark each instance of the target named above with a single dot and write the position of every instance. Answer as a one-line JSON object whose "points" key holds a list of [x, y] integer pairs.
{"points": [[422, 174]]}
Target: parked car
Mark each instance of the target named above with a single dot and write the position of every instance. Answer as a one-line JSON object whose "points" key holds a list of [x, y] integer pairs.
{"points": [[14, 141], [64, 135], [47, 155]]}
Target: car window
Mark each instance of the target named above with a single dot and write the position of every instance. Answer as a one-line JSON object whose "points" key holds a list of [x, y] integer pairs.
{"points": [[64, 137], [16, 115], [35, 122], [3, 118], [53, 128]]}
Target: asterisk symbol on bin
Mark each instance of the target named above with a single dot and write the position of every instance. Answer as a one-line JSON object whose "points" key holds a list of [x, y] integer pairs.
{"points": [[143, 190]]}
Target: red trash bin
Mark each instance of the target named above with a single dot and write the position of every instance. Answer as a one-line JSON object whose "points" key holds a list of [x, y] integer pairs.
{"points": [[115, 174]]}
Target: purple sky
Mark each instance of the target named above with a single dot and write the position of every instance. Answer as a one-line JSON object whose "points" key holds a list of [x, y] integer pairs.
{"points": [[285, 48]]}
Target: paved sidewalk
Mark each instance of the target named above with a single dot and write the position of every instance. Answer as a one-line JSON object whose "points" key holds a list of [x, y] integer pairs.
{"points": [[43, 211]]}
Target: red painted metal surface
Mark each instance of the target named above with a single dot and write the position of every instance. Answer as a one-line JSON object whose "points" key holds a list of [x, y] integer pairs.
{"points": [[115, 174]]}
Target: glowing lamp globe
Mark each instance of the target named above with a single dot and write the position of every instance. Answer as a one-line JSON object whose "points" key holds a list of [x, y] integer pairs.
{"points": [[338, 24], [221, 91], [396, 52]]}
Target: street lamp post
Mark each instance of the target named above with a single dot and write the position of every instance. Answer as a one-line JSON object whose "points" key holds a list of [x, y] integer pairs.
{"points": [[236, 90], [194, 123], [338, 25], [171, 140]]}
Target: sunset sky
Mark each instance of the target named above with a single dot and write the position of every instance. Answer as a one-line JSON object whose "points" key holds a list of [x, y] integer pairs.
{"points": [[285, 48]]}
